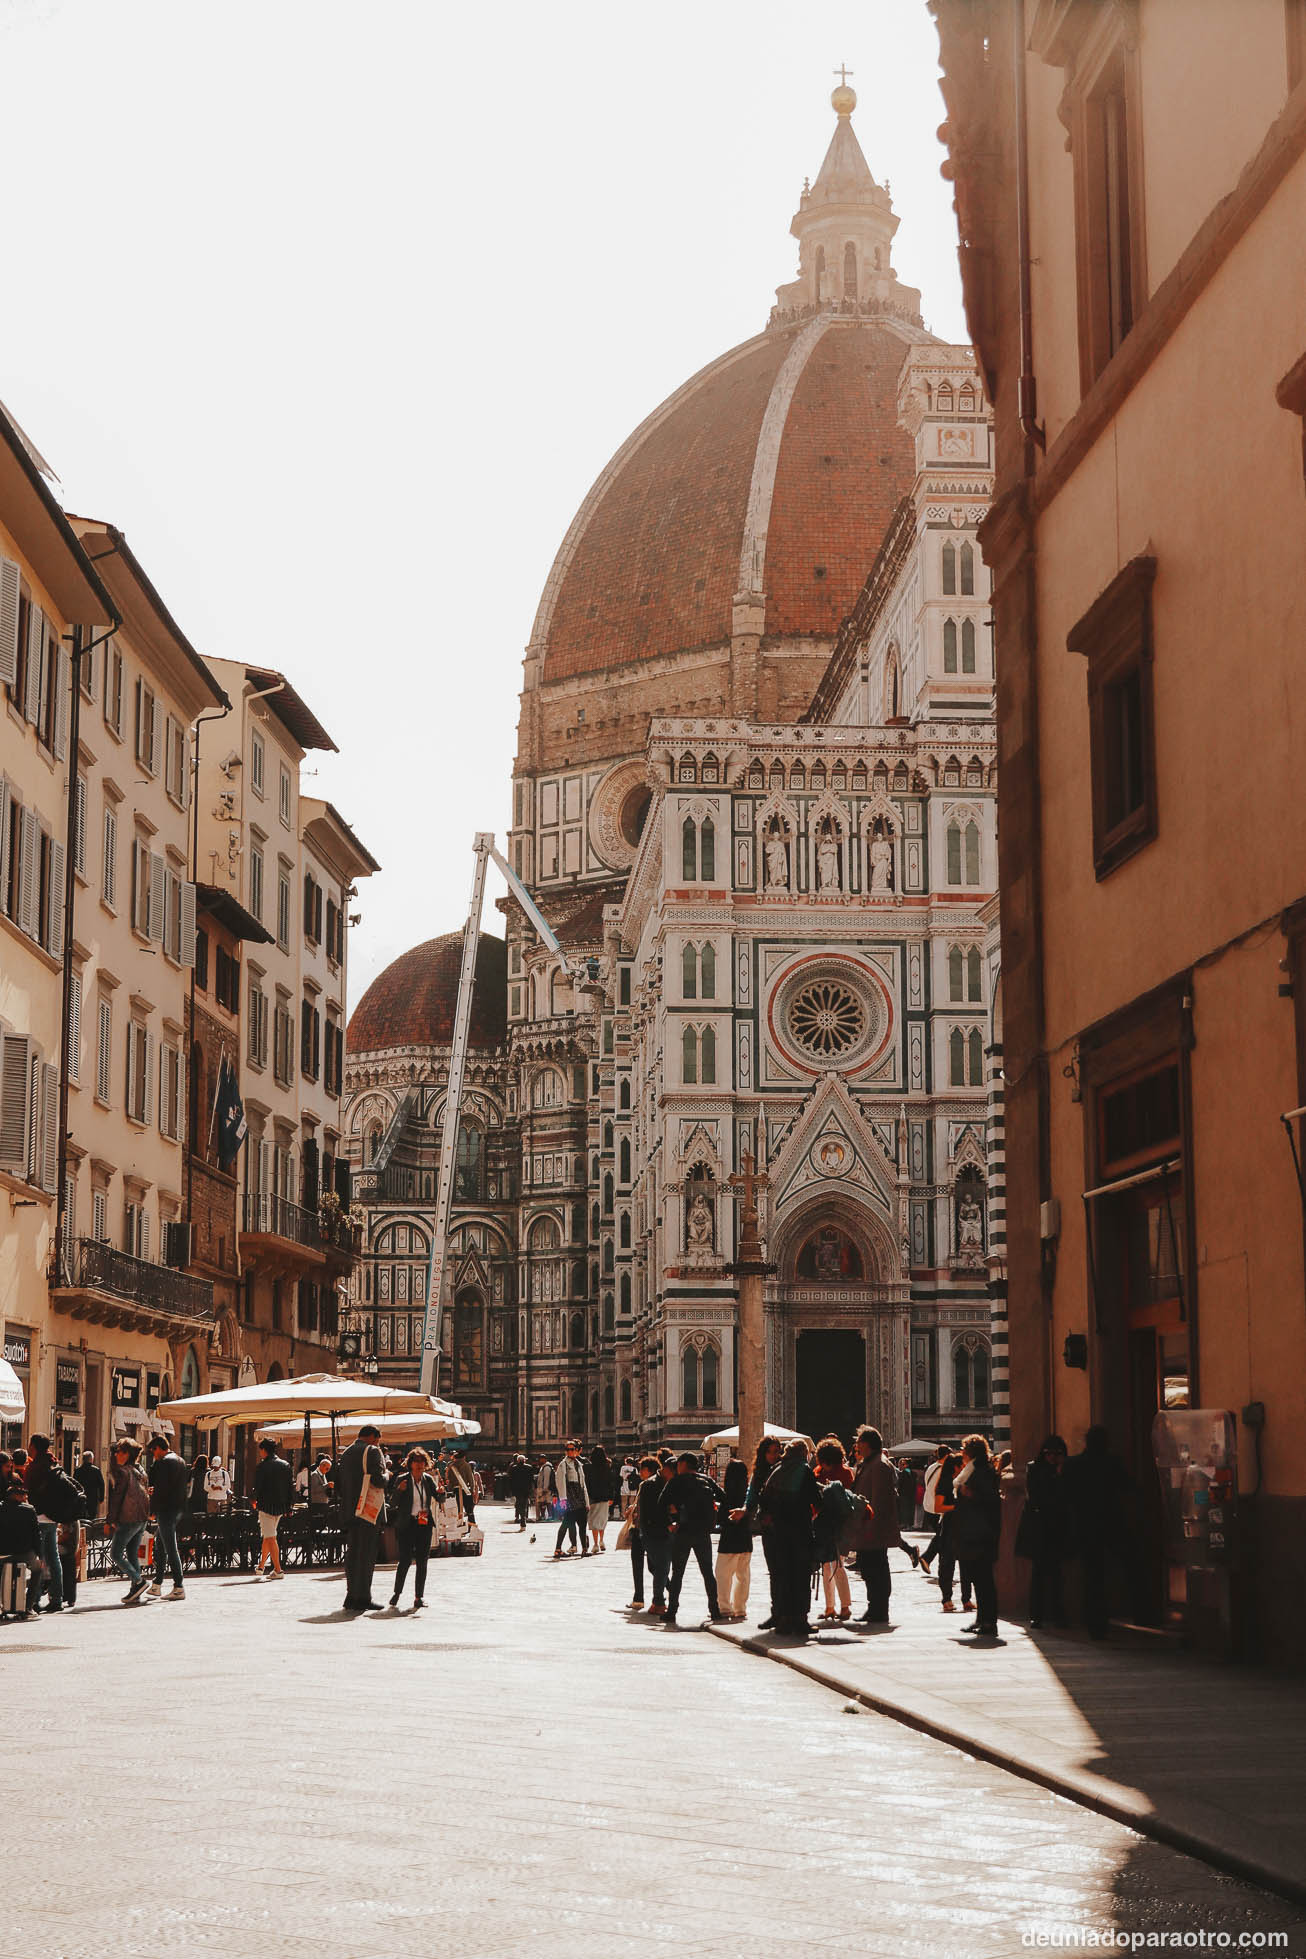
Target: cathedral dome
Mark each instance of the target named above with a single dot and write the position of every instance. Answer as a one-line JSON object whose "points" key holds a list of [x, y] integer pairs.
{"points": [[412, 1003], [773, 472]]}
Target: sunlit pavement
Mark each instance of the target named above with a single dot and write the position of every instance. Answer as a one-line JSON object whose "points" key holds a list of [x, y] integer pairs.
{"points": [[522, 1771], [1206, 1756]]}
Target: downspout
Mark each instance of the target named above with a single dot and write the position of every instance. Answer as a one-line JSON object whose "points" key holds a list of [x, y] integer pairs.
{"points": [[1027, 386], [79, 653]]}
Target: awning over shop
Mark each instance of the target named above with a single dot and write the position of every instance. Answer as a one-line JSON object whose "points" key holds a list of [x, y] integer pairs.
{"points": [[13, 1405], [141, 1418]]}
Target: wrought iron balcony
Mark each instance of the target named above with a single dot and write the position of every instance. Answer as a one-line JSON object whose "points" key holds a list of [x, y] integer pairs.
{"points": [[266, 1215], [101, 1282]]}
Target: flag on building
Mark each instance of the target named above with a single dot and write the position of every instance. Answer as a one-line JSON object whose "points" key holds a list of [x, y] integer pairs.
{"points": [[228, 1115]]}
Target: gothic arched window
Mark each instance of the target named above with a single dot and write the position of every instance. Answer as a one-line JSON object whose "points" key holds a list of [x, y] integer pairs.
{"points": [[972, 854], [709, 1377], [707, 851], [967, 571], [689, 1379], [625, 1231], [609, 1317], [625, 1401], [708, 1055], [954, 853], [689, 973], [974, 988], [708, 967], [607, 1194], [469, 1168], [968, 646], [975, 1056], [609, 1407], [949, 570], [578, 1330], [850, 270], [820, 272], [689, 1057], [950, 646], [624, 1093], [957, 1059], [954, 973], [689, 850], [625, 1159], [625, 1292]]}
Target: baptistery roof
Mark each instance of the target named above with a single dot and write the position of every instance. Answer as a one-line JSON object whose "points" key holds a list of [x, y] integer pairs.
{"points": [[412, 1003]]}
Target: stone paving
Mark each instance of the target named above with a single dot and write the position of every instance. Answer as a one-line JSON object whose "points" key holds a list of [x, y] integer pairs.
{"points": [[522, 1771]]}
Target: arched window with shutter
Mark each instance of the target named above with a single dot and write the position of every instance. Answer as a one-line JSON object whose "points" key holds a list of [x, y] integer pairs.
{"points": [[949, 570], [707, 851], [689, 850], [950, 646], [689, 1057], [708, 968], [968, 571], [689, 974], [972, 854], [968, 646]]}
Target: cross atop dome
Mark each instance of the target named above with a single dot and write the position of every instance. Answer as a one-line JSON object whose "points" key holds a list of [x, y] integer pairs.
{"points": [[844, 225]]}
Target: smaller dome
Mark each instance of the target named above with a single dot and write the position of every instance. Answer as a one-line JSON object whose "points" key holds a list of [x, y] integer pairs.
{"points": [[412, 1003]]}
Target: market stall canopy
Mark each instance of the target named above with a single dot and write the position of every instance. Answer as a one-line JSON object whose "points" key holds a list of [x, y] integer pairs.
{"points": [[916, 1446], [13, 1407], [728, 1438], [395, 1429], [309, 1394]]}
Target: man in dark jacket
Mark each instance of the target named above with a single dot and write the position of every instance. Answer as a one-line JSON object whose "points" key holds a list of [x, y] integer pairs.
{"points": [[654, 1530], [879, 1532], [521, 1481], [169, 1484], [273, 1497], [36, 1475], [361, 1459], [690, 1504], [89, 1475]]}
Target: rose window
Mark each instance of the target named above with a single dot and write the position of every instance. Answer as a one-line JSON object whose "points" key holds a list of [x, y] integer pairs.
{"points": [[827, 1019]]}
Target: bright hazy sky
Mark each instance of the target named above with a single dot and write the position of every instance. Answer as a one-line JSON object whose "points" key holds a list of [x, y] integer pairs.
{"points": [[338, 310]]}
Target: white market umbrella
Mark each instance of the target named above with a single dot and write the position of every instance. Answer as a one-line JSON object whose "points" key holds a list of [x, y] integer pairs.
{"points": [[13, 1408], [308, 1394], [728, 1438], [915, 1446], [397, 1429]]}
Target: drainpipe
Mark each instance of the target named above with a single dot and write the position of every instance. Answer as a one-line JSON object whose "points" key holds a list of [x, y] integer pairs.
{"points": [[1027, 387], [79, 653]]}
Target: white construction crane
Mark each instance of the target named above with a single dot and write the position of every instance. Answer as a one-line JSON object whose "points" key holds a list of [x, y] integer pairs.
{"points": [[435, 1277]]}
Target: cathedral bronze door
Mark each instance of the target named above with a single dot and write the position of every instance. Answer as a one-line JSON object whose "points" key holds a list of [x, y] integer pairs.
{"points": [[831, 1383]]}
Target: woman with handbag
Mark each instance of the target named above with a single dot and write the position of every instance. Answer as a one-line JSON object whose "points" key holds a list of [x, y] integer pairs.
{"points": [[979, 1531], [412, 1504]]}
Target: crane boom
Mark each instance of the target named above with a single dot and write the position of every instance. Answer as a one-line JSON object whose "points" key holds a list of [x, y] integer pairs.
{"points": [[433, 1325]]}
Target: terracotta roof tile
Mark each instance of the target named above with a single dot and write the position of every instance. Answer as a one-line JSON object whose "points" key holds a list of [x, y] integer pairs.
{"points": [[412, 1003]]}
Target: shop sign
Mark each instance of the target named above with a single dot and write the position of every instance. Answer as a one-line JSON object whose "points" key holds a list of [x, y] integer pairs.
{"points": [[67, 1386], [126, 1387], [18, 1350], [152, 1389]]}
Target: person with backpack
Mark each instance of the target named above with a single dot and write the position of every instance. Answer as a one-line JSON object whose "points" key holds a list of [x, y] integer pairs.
{"points": [[57, 1499], [273, 1495], [169, 1486], [127, 1515]]}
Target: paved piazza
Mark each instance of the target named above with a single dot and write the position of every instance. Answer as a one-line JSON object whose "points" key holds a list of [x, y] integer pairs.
{"points": [[519, 1772]]}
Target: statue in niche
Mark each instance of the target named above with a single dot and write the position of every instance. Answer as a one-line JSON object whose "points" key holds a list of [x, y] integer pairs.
{"points": [[700, 1226], [827, 861], [881, 862], [777, 863], [970, 1223]]}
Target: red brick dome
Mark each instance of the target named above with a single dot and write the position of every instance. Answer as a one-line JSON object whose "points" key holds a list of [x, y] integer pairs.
{"points": [[775, 469], [412, 1003]]}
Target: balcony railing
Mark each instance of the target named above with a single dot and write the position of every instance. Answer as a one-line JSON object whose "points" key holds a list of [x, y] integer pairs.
{"points": [[97, 1267], [271, 1216]]}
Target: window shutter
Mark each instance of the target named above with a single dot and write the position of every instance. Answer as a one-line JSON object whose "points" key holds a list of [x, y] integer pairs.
{"points": [[6, 826], [29, 867], [263, 1028], [75, 1029], [32, 681], [62, 684], [317, 913], [157, 907], [317, 1043], [54, 900], [305, 1035], [132, 1032], [154, 737], [36, 1125], [187, 949], [15, 1075], [144, 1217], [99, 1216], [140, 698], [79, 827], [109, 864], [308, 905], [50, 1153], [147, 1089], [104, 1050], [10, 585]]}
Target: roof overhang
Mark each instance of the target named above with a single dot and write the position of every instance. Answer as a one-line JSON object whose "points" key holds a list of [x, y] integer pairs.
{"points": [[290, 708], [44, 535], [230, 912], [326, 828], [145, 617]]}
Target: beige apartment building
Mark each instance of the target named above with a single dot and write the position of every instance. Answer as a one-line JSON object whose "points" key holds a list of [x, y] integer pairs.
{"points": [[292, 867], [1131, 194], [49, 593]]}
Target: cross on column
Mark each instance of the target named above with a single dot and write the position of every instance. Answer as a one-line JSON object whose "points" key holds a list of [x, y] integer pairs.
{"points": [[843, 74]]}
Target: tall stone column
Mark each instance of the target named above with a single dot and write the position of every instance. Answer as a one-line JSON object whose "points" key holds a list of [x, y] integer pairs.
{"points": [[750, 1268]]}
